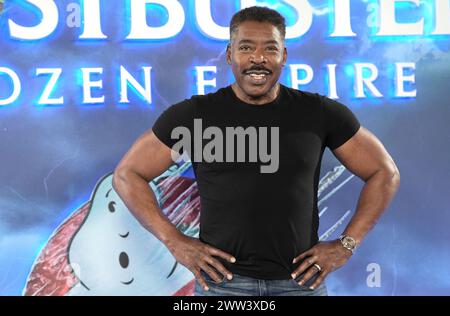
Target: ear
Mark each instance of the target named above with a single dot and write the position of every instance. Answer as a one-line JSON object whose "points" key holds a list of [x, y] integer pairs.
{"points": [[229, 54], [285, 53]]}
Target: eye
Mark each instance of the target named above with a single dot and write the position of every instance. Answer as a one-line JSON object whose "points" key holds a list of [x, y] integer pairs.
{"points": [[272, 48], [124, 260], [244, 48], [112, 207]]}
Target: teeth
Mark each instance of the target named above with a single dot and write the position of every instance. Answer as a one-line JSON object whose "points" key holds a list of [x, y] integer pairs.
{"points": [[258, 77]]}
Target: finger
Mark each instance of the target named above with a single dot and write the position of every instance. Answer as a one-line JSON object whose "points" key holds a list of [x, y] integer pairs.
{"points": [[201, 280], [308, 275], [219, 267], [303, 255], [211, 273], [219, 253], [305, 265], [323, 274]]}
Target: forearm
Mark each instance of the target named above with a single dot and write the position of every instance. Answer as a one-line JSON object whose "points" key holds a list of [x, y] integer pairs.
{"points": [[141, 201], [377, 193]]}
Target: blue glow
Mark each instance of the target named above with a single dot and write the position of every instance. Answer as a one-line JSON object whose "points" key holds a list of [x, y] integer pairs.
{"points": [[284, 78], [301, 74], [89, 41], [17, 256], [7, 86], [403, 15], [127, 17], [326, 88], [72, 207], [391, 87], [408, 12], [139, 75], [197, 31], [56, 223], [192, 73], [407, 85], [55, 87], [173, 77], [331, 25], [23, 11], [157, 15], [95, 92], [160, 18], [4, 30], [207, 75], [286, 10], [350, 73], [26, 14], [429, 13], [45, 235], [222, 11], [192, 83]]}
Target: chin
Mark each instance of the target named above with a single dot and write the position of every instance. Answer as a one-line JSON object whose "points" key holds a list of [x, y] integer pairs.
{"points": [[256, 92]]}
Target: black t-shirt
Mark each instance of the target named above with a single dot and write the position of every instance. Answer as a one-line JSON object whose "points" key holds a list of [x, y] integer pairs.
{"points": [[263, 219]]}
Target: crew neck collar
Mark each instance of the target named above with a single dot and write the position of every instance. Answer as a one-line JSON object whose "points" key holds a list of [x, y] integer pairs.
{"points": [[271, 104]]}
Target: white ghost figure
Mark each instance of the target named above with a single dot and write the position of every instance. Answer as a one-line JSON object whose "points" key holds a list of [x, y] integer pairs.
{"points": [[112, 254]]}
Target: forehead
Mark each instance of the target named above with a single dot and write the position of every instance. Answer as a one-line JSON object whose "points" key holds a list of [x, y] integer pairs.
{"points": [[257, 31]]}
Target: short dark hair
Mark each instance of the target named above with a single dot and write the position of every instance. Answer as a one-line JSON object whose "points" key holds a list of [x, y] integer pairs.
{"points": [[258, 14]]}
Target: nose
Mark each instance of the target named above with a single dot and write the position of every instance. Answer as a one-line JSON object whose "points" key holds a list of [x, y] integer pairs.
{"points": [[258, 58]]}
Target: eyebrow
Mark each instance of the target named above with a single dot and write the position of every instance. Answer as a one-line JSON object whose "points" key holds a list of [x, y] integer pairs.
{"points": [[107, 193], [244, 41]]}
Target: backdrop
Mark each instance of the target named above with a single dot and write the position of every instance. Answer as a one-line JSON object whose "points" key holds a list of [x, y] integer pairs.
{"points": [[80, 81]]}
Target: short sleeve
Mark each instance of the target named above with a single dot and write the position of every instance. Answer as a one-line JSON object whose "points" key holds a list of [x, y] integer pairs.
{"points": [[177, 115], [340, 123]]}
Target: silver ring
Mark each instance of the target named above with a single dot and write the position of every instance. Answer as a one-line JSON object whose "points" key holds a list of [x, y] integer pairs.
{"points": [[318, 267]]}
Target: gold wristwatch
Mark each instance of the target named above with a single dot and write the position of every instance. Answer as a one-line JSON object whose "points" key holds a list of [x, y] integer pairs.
{"points": [[348, 242]]}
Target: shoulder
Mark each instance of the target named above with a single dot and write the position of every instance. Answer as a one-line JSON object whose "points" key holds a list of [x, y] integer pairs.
{"points": [[190, 107], [301, 96], [308, 103], [326, 105], [212, 98]]}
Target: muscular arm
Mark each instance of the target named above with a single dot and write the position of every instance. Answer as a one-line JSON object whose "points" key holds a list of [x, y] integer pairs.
{"points": [[366, 157], [147, 159]]}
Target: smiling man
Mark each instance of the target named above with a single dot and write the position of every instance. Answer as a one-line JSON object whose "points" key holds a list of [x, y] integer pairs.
{"points": [[258, 231]]}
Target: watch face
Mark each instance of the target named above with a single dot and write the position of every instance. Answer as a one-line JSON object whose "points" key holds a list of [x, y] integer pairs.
{"points": [[349, 242]]}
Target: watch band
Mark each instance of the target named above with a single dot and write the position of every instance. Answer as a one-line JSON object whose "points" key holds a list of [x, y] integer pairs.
{"points": [[348, 242]]}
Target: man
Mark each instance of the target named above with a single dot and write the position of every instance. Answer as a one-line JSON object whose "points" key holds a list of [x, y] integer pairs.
{"points": [[258, 227]]}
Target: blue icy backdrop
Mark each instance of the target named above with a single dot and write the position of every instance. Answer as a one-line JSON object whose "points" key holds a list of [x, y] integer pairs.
{"points": [[53, 155]]}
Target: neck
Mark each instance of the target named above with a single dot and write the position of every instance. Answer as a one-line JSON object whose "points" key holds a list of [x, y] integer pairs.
{"points": [[267, 98]]}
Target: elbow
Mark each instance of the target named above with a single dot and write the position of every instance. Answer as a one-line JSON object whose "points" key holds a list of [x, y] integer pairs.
{"points": [[119, 176], [123, 177], [397, 178], [393, 175]]}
